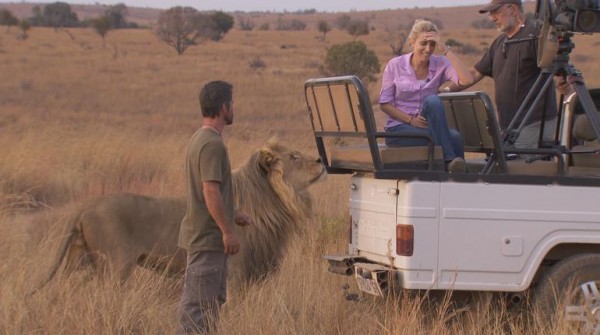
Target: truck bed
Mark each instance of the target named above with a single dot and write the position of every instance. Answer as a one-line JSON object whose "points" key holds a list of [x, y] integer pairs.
{"points": [[348, 141]]}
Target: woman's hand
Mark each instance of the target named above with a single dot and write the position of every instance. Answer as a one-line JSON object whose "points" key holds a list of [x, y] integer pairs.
{"points": [[419, 122], [434, 36]]}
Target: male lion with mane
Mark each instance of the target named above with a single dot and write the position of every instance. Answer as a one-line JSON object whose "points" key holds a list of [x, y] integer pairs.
{"points": [[123, 230]]}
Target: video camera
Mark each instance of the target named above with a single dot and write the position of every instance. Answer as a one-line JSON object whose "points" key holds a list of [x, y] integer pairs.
{"points": [[560, 19], [581, 16]]}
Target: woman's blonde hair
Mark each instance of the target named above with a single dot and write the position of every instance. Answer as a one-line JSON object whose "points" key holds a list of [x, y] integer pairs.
{"points": [[420, 26]]}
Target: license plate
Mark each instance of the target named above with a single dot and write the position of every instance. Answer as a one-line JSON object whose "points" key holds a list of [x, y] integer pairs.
{"points": [[368, 285]]}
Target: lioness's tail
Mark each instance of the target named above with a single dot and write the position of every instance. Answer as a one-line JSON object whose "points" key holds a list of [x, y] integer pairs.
{"points": [[66, 243]]}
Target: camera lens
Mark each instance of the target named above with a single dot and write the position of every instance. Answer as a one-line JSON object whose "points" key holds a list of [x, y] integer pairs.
{"points": [[587, 21]]}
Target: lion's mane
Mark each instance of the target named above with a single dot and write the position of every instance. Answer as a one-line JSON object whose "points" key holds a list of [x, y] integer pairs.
{"points": [[277, 209]]}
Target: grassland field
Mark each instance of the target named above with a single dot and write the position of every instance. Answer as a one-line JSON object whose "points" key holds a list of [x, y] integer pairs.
{"points": [[79, 120]]}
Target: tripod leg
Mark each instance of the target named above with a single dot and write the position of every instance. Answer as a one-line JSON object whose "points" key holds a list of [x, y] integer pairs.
{"points": [[588, 105], [543, 80], [536, 102]]}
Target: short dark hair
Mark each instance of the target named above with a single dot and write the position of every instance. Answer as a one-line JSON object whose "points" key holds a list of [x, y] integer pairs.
{"points": [[212, 97]]}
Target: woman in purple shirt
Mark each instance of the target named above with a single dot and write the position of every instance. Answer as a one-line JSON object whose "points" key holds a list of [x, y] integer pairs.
{"points": [[409, 94]]}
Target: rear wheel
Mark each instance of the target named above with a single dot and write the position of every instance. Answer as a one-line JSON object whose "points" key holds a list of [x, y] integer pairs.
{"points": [[570, 290]]}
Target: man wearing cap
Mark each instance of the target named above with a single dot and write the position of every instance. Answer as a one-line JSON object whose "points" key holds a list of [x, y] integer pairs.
{"points": [[511, 61]]}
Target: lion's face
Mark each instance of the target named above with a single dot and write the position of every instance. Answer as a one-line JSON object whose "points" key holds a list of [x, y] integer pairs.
{"points": [[299, 170]]}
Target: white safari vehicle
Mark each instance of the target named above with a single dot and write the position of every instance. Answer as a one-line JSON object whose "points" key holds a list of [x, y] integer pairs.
{"points": [[511, 226]]}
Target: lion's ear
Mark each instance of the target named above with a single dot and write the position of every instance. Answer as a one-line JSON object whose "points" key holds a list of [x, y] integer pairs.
{"points": [[272, 143], [267, 158]]}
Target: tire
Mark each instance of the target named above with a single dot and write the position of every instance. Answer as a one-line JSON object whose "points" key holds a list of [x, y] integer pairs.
{"points": [[571, 287]]}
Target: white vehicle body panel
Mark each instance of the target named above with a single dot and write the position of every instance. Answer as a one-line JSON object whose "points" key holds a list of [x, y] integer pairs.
{"points": [[469, 236]]}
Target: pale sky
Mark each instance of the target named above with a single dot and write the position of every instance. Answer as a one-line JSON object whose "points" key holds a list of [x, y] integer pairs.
{"points": [[279, 5]]}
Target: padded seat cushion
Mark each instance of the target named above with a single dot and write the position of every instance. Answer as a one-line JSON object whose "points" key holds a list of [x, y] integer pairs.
{"points": [[582, 129], [586, 158], [359, 156], [537, 168], [576, 171]]}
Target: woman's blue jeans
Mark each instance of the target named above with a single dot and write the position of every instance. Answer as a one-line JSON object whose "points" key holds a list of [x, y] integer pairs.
{"points": [[449, 139]]}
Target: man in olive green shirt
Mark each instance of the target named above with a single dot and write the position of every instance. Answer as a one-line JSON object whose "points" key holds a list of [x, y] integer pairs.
{"points": [[207, 233]]}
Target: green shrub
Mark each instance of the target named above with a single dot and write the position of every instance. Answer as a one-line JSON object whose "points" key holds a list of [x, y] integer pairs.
{"points": [[246, 24], [352, 58], [265, 26], [257, 64], [460, 47], [290, 25], [483, 24], [358, 28]]}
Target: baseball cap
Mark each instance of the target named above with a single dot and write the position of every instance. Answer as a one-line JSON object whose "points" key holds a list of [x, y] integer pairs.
{"points": [[495, 4]]}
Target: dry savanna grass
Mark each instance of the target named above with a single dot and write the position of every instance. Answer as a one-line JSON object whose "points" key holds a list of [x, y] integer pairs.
{"points": [[78, 120]]}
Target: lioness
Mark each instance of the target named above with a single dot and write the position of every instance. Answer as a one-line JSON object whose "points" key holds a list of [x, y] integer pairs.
{"points": [[124, 229]]}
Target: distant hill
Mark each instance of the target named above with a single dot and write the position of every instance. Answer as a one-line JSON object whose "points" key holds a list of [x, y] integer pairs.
{"points": [[451, 17]]}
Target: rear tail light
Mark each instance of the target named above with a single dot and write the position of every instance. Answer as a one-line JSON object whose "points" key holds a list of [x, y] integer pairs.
{"points": [[405, 240]]}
